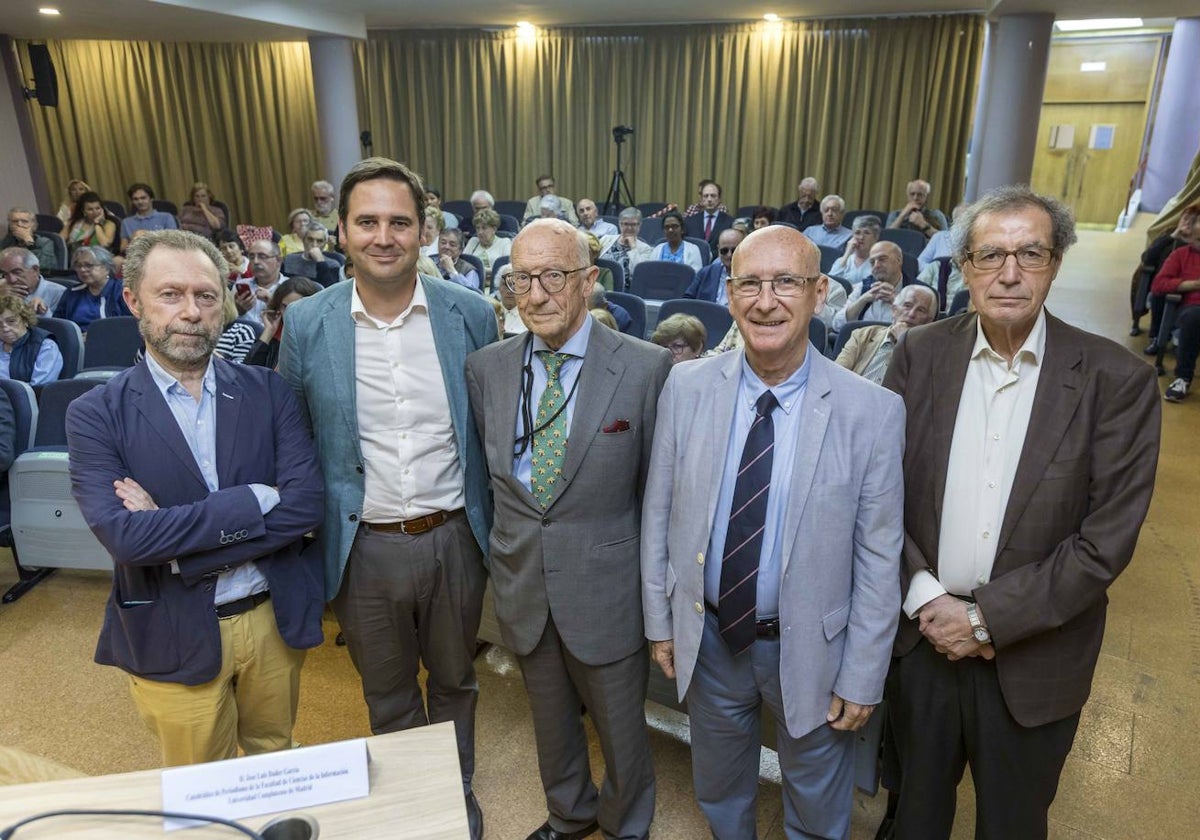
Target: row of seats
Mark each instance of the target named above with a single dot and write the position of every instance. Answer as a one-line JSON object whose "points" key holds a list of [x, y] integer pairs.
{"points": [[112, 345]]}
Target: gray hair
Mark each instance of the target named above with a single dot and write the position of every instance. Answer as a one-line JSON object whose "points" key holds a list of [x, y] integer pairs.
{"points": [[100, 255], [836, 199], [597, 298], [175, 240], [918, 288], [561, 227], [1012, 199], [28, 258], [868, 222], [322, 185], [551, 203], [630, 213], [485, 195], [316, 227], [455, 233]]}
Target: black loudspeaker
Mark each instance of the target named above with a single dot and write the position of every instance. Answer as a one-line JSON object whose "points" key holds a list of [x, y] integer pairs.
{"points": [[45, 80]]}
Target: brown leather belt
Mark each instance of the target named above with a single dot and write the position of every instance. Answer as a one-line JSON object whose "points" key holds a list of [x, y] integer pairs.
{"points": [[412, 527]]}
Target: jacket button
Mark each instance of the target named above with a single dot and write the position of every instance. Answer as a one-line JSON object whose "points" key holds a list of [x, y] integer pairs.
{"points": [[699, 608], [545, 522], [354, 517], [700, 559], [359, 469]]}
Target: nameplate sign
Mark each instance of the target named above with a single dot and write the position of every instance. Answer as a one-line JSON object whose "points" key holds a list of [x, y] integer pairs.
{"points": [[267, 783]]}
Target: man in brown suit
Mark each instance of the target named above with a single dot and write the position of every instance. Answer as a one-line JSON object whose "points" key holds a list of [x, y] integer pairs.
{"points": [[1029, 466]]}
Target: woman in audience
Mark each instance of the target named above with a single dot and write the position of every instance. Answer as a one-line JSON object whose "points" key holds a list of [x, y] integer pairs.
{"points": [[27, 352], [231, 248], [265, 351], [89, 224], [853, 264], [764, 216], [431, 232], [298, 222], [674, 249], [238, 336], [75, 189], [199, 215], [98, 294], [684, 335], [485, 244]]}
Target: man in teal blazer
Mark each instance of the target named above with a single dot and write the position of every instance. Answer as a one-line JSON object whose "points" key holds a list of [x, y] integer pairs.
{"points": [[377, 363]]}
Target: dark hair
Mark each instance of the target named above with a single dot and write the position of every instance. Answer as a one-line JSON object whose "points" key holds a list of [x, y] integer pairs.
{"points": [[226, 235], [768, 213], [380, 167], [139, 186], [292, 286], [433, 190], [673, 214], [86, 198]]}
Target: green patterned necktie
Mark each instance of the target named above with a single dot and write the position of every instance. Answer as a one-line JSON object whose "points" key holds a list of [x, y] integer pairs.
{"points": [[550, 442]]}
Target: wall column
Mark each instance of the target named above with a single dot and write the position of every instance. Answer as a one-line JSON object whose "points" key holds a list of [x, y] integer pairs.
{"points": [[332, 61], [1176, 136]]}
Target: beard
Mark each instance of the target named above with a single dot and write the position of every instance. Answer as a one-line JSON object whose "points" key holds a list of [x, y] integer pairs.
{"points": [[176, 345]]}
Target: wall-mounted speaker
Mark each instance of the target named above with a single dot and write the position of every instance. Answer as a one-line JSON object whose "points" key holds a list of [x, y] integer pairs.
{"points": [[45, 79]]}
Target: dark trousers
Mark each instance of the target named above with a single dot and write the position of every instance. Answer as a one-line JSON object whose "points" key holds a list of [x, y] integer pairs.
{"points": [[1188, 324], [945, 715], [408, 600]]}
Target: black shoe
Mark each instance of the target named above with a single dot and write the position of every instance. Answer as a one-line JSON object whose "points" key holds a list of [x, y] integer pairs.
{"points": [[546, 832], [1151, 349], [1135, 330], [474, 816]]}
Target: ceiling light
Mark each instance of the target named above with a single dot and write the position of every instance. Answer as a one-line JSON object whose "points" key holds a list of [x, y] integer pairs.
{"points": [[1093, 66], [771, 17], [1097, 23], [525, 27], [48, 10]]}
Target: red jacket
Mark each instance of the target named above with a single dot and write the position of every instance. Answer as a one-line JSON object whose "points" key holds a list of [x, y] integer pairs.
{"points": [[1183, 264]]}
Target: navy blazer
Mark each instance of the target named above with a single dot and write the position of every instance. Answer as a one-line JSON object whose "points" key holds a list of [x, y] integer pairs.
{"points": [[694, 226], [707, 281], [70, 304], [125, 428]]}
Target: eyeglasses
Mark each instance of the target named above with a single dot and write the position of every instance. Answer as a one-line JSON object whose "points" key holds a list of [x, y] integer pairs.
{"points": [[548, 186], [11, 323], [679, 346], [992, 259], [726, 250], [785, 285], [552, 279], [87, 266]]}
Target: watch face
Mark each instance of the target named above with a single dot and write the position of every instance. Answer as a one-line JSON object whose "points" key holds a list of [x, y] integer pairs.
{"points": [[982, 635]]}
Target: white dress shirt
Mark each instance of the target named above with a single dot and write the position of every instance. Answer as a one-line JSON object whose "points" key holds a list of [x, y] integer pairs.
{"points": [[407, 436], [989, 434]]}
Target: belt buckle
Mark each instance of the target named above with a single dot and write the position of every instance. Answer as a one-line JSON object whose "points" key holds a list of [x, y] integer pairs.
{"points": [[414, 527]]}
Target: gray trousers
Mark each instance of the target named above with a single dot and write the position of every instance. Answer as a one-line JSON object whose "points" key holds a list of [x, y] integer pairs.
{"points": [[558, 685], [405, 601]]}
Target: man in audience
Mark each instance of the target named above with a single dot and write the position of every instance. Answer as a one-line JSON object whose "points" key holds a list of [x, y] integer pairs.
{"points": [[22, 232], [482, 200], [869, 349], [324, 207], [378, 365], [549, 207], [916, 215], [22, 276], [312, 261], [1029, 466], [710, 280], [771, 537], [145, 217], [1180, 274], [450, 263], [805, 211], [625, 247], [545, 185], [599, 300], [199, 478], [564, 549], [831, 232], [512, 323], [590, 221], [696, 206], [265, 264], [708, 222], [871, 300]]}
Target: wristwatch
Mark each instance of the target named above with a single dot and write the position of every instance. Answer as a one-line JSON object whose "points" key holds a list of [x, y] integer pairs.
{"points": [[980, 632]]}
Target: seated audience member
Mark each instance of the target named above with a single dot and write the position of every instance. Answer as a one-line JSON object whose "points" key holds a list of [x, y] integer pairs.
{"points": [[835, 302], [675, 249], [604, 317], [433, 198], [99, 293], [590, 221], [498, 308], [871, 300], [854, 265], [27, 352], [23, 278], [238, 336], [511, 323], [546, 186], [431, 232], [1153, 259], [916, 215], [763, 216], [231, 248], [743, 224], [293, 241], [265, 351], [312, 261], [485, 244], [939, 244], [684, 335], [482, 200], [710, 217], [22, 233], [868, 351], [805, 211], [89, 224], [199, 215], [266, 266], [710, 280], [1180, 274], [145, 217], [550, 207], [599, 300], [717, 206], [324, 208], [75, 190], [625, 247], [450, 265], [945, 277], [831, 232], [605, 277]]}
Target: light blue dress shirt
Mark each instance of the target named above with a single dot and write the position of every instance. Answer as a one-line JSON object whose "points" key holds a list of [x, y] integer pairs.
{"points": [[786, 419], [46, 367], [575, 346], [836, 238], [198, 423]]}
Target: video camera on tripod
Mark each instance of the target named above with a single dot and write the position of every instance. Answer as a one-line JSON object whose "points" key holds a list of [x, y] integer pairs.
{"points": [[620, 132], [619, 188]]}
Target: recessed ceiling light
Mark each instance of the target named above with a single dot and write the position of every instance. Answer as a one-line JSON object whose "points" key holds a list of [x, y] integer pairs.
{"points": [[1097, 23], [771, 16], [524, 26], [48, 10]]}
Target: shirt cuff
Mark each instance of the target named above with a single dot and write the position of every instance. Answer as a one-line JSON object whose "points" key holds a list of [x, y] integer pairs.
{"points": [[922, 589], [267, 497]]}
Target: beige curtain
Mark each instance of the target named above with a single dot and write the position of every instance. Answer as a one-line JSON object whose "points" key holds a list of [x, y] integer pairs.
{"points": [[863, 105], [240, 117]]}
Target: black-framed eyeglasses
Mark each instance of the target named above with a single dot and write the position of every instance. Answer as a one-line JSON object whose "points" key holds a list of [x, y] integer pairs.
{"points": [[992, 259], [785, 285], [726, 250], [552, 279]]}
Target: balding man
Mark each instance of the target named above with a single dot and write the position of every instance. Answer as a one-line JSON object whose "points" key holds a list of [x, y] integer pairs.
{"points": [[868, 351], [784, 589], [590, 221], [709, 283], [805, 211], [871, 300], [916, 215], [22, 276], [547, 186], [22, 232]]}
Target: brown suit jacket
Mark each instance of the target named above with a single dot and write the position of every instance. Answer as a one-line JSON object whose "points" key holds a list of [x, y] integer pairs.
{"points": [[1080, 494], [861, 347]]}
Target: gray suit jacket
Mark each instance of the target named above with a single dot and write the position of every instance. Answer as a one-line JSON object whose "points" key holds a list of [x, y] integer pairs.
{"points": [[843, 534], [317, 359], [578, 560]]}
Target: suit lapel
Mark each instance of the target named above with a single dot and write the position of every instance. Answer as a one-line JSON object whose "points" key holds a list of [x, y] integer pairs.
{"points": [[450, 341], [337, 328], [814, 420], [229, 405], [947, 372], [504, 378], [724, 402], [598, 380], [151, 405]]}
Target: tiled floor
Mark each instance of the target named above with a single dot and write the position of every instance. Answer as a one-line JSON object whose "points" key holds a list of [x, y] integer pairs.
{"points": [[1132, 775]]}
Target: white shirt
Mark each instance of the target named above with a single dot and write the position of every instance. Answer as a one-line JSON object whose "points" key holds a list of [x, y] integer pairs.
{"points": [[404, 425], [989, 434], [877, 310]]}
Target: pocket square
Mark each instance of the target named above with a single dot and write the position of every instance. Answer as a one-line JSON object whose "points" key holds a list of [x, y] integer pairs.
{"points": [[616, 427]]}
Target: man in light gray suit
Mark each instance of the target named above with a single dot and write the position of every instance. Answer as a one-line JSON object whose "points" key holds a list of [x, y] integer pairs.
{"points": [[566, 414], [771, 544], [377, 363]]}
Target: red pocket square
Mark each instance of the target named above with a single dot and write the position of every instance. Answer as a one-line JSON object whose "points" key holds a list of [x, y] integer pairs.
{"points": [[617, 427]]}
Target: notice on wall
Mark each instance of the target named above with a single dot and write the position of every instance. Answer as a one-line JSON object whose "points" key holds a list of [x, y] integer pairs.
{"points": [[1101, 136], [1062, 136]]}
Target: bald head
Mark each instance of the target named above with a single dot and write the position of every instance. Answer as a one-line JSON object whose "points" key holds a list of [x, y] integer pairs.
{"points": [[887, 262], [791, 251]]}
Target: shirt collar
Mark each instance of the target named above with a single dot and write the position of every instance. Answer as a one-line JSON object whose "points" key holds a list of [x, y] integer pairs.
{"points": [[1033, 349], [359, 312], [166, 383], [787, 393], [576, 345]]}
